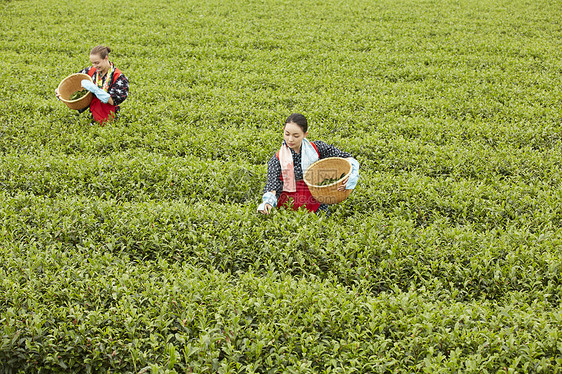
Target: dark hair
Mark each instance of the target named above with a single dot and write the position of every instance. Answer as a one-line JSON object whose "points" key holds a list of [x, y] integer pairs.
{"points": [[100, 50], [299, 119]]}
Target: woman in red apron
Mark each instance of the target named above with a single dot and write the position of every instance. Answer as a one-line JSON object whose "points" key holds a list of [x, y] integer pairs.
{"points": [[110, 86], [285, 185]]}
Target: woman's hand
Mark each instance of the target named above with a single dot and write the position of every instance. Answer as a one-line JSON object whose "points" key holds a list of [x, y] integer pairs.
{"points": [[351, 177], [342, 186], [266, 209], [269, 201]]}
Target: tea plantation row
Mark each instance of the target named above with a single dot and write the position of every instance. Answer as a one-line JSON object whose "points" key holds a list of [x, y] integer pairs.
{"points": [[463, 188], [89, 311], [378, 253]]}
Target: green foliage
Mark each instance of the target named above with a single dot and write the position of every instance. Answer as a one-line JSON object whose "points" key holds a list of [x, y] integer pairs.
{"points": [[329, 181], [136, 247], [78, 94]]}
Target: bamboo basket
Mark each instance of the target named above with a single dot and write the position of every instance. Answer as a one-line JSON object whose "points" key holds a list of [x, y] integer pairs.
{"points": [[331, 167], [71, 84]]}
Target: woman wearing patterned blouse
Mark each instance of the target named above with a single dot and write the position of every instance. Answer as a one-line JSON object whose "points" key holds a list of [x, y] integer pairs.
{"points": [[110, 86], [285, 169]]}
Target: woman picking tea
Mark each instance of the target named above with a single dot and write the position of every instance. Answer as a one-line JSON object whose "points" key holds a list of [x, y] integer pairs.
{"points": [[110, 86], [286, 168]]}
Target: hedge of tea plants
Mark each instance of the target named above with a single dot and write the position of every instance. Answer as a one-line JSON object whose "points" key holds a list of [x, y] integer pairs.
{"points": [[136, 247]]}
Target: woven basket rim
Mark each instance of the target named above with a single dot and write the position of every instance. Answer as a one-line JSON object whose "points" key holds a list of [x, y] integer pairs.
{"points": [[333, 183], [86, 76]]}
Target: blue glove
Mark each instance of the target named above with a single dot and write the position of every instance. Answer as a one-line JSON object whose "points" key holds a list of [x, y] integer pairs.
{"points": [[268, 198], [100, 94], [354, 176]]}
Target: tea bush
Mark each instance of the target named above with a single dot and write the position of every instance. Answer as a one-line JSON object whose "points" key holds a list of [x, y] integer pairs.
{"points": [[136, 247]]}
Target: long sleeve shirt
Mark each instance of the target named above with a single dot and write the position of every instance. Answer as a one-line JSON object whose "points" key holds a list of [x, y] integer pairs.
{"points": [[274, 182]]}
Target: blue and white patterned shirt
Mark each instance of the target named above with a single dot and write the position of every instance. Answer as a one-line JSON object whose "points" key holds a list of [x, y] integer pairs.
{"points": [[274, 182]]}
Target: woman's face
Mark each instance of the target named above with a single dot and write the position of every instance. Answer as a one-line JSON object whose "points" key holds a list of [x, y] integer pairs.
{"points": [[293, 135], [101, 64]]}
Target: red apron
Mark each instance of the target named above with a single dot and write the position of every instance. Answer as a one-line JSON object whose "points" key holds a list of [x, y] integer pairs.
{"points": [[102, 112], [301, 197]]}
